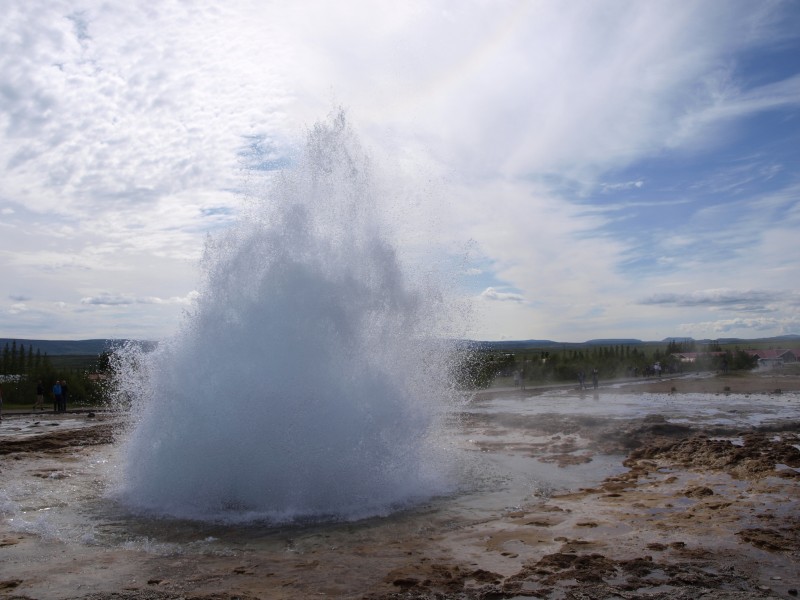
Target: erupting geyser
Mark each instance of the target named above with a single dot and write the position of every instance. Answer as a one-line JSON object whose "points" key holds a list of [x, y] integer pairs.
{"points": [[304, 383]]}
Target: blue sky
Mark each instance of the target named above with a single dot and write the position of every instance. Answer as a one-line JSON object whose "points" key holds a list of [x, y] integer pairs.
{"points": [[609, 169]]}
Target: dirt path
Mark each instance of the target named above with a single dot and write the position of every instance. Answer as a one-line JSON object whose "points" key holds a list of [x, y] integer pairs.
{"points": [[766, 382]]}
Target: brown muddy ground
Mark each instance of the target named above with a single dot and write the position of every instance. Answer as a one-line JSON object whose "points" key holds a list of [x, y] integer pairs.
{"points": [[698, 514]]}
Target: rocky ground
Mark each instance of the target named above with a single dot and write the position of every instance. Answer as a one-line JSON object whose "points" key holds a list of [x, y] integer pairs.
{"points": [[694, 517], [699, 513]]}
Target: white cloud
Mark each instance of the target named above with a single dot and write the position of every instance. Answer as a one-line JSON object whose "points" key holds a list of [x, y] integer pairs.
{"points": [[108, 299], [18, 307], [493, 294], [743, 327], [727, 104], [720, 298], [625, 185]]}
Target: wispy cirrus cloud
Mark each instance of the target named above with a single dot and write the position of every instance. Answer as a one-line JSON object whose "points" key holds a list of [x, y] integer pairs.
{"points": [[124, 300], [607, 188], [493, 294], [743, 326], [751, 300]]}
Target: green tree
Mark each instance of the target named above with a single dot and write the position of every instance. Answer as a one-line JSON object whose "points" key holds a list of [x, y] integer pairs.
{"points": [[13, 368]]}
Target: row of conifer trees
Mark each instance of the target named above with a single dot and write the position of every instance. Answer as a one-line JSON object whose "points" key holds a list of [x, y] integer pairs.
{"points": [[23, 368]]}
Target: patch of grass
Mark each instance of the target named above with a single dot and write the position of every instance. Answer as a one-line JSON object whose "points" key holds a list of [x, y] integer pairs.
{"points": [[72, 362]]}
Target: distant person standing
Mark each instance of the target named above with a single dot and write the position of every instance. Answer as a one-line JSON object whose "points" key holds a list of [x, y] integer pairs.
{"points": [[39, 396], [594, 378], [57, 396], [64, 394], [581, 379]]}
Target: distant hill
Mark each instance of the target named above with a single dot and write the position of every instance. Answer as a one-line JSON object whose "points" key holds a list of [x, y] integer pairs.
{"points": [[515, 344], [97, 346], [792, 338], [544, 344], [62, 347], [614, 342]]}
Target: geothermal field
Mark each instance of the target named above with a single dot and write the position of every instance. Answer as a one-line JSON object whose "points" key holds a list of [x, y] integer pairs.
{"points": [[635, 491]]}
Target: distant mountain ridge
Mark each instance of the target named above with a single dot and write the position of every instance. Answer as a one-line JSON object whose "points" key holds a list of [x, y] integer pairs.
{"points": [[544, 344], [98, 346], [513, 344], [62, 347], [613, 342]]}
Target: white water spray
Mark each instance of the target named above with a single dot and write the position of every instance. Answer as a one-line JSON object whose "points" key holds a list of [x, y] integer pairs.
{"points": [[303, 384]]}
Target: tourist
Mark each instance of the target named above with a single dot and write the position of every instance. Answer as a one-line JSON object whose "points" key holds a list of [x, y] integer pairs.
{"points": [[64, 394], [594, 378], [581, 379], [56, 396], [39, 396]]}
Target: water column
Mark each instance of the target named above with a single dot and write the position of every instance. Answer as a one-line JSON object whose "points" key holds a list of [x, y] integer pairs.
{"points": [[305, 382]]}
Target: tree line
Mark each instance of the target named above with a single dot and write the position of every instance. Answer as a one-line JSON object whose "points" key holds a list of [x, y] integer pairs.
{"points": [[21, 370], [479, 368]]}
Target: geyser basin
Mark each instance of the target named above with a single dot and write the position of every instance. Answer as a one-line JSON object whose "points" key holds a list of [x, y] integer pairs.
{"points": [[303, 384]]}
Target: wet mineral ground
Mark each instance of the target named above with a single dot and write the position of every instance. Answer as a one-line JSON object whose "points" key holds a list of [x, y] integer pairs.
{"points": [[684, 488]]}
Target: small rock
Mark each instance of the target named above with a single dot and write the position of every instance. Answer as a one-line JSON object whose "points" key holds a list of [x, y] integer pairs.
{"points": [[698, 492], [406, 582], [9, 584]]}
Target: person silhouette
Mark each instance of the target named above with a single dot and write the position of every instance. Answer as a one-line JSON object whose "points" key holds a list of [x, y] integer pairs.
{"points": [[57, 396], [64, 394], [39, 405]]}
